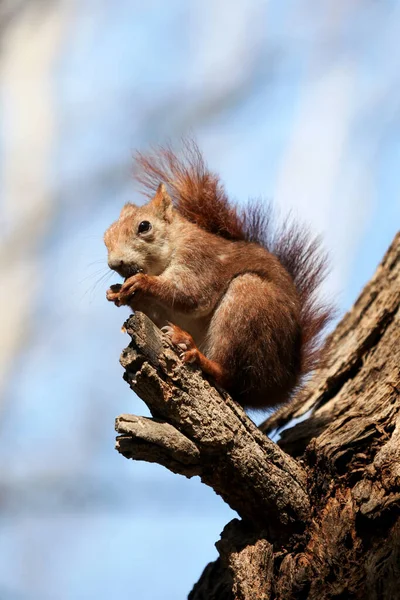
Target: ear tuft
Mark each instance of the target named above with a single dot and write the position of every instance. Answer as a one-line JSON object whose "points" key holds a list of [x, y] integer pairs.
{"points": [[162, 189], [162, 203]]}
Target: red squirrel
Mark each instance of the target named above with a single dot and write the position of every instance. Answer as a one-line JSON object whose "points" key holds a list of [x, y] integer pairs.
{"points": [[236, 298]]}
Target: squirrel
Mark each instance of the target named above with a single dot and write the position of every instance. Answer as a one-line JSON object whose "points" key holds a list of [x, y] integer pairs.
{"points": [[237, 297]]}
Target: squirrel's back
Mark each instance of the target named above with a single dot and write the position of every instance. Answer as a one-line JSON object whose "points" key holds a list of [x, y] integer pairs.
{"points": [[199, 196]]}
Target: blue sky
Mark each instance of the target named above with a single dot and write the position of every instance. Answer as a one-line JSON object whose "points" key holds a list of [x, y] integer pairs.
{"points": [[288, 101]]}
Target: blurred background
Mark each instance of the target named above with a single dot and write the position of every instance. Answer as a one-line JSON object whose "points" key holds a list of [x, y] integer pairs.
{"points": [[294, 101]]}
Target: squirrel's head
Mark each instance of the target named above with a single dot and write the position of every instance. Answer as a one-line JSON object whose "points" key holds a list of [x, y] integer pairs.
{"points": [[141, 238]]}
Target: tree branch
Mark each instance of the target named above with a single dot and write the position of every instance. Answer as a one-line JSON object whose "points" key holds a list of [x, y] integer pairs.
{"points": [[198, 430], [157, 441]]}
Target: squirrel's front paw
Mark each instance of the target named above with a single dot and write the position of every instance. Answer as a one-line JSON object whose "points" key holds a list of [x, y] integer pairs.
{"points": [[133, 288], [112, 293]]}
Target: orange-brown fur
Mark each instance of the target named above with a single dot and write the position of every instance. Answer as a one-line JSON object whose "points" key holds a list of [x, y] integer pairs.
{"points": [[239, 299]]}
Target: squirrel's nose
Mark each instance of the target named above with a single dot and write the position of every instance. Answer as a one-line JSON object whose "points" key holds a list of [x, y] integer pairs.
{"points": [[115, 263]]}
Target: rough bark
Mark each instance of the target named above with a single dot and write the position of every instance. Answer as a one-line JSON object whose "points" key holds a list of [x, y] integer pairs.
{"points": [[320, 511], [198, 430]]}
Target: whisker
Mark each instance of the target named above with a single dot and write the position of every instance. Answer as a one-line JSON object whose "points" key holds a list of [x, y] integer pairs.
{"points": [[105, 277], [96, 262], [94, 274]]}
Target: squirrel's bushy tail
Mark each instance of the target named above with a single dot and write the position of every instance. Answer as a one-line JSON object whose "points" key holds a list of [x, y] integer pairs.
{"points": [[197, 193], [302, 256], [200, 197]]}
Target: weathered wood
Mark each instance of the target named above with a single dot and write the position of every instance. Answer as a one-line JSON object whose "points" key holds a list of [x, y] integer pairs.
{"points": [[203, 432], [323, 526], [249, 559], [156, 441]]}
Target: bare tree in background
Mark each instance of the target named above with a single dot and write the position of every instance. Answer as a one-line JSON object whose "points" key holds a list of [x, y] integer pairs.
{"points": [[319, 511]]}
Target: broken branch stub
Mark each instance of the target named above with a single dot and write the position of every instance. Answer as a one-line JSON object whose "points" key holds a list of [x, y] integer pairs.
{"points": [[198, 430]]}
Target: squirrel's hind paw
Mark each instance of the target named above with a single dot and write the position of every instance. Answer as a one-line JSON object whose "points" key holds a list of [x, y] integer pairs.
{"points": [[187, 347]]}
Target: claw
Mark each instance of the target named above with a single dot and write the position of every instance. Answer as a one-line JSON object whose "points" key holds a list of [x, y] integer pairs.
{"points": [[190, 356], [167, 330]]}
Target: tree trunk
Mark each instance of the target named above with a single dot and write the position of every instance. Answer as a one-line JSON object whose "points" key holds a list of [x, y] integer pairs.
{"points": [[320, 510]]}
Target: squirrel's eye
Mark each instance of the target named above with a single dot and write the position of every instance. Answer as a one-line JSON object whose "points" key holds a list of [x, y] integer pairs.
{"points": [[144, 227]]}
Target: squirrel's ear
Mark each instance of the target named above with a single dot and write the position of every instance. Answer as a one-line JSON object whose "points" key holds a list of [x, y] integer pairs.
{"points": [[162, 203]]}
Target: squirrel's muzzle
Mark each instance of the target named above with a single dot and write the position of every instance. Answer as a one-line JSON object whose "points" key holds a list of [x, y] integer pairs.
{"points": [[115, 263], [122, 268]]}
